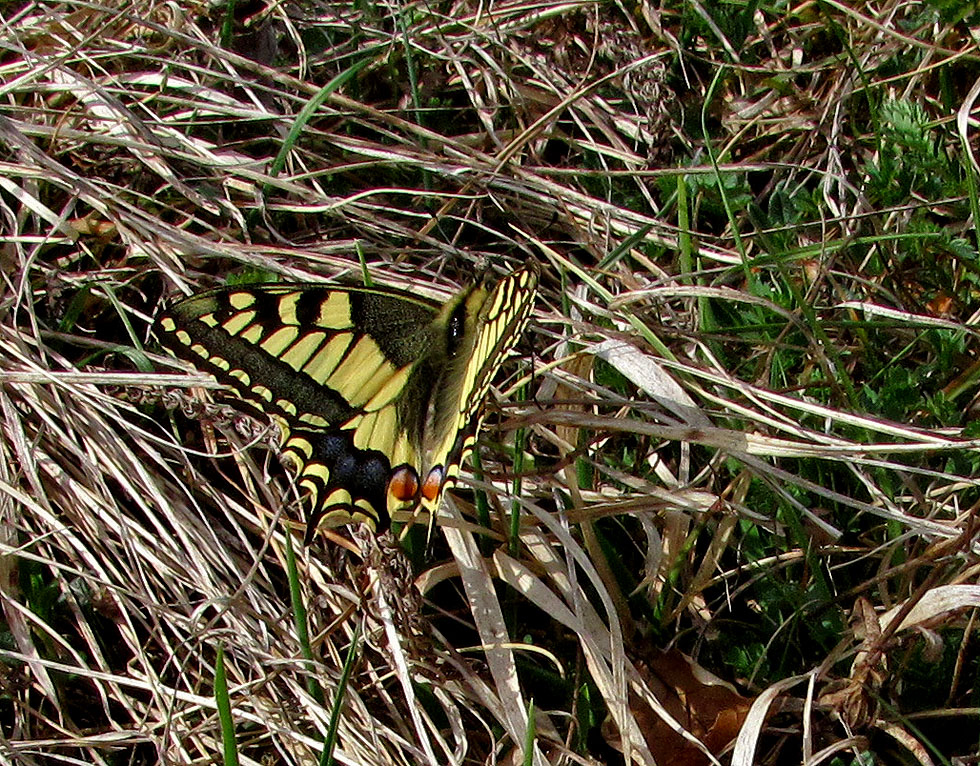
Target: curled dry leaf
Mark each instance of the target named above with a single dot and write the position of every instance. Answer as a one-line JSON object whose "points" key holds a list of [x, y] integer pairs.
{"points": [[935, 604], [856, 699], [708, 708]]}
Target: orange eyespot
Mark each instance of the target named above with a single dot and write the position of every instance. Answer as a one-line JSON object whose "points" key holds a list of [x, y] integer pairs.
{"points": [[433, 484], [404, 484]]}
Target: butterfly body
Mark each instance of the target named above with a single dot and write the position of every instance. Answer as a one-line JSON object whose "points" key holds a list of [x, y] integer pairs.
{"points": [[376, 391]]}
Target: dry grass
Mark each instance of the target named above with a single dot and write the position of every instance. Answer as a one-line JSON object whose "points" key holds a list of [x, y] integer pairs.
{"points": [[749, 381]]}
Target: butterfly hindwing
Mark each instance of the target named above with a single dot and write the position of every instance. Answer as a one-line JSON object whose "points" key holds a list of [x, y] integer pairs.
{"points": [[376, 392]]}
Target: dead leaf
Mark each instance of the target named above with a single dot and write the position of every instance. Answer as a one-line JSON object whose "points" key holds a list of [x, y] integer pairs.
{"points": [[708, 708]]}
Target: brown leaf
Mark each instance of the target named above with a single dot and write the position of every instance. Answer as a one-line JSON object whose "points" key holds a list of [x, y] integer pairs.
{"points": [[705, 706]]}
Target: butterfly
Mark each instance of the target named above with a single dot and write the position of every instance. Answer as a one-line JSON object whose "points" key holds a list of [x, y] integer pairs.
{"points": [[376, 392]]}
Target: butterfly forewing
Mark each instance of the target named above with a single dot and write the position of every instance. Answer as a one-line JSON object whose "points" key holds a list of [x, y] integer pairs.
{"points": [[371, 388]]}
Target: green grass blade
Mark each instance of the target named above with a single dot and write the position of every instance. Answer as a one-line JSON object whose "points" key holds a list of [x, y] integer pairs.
{"points": [[228, 743], [330, 741], [300, 620]]}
